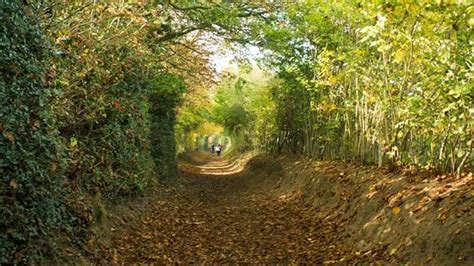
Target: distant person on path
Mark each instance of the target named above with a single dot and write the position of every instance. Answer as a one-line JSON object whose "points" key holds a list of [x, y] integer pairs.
{"points": [[218, 149], [213, 148]]}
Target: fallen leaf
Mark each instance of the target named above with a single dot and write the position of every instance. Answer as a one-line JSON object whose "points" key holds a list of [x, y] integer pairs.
{"points": [[395, 200], [13, 184], [10, 137], [114, 256], [73, 142], [53, 167], [118, 106], [396, 210], [36, 124]]}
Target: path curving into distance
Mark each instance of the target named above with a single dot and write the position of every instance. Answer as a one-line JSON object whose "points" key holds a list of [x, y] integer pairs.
{"points": [[217, 165]]}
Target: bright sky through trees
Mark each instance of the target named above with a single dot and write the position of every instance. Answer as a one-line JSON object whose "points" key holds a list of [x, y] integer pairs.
{"points": [[227, 59]]}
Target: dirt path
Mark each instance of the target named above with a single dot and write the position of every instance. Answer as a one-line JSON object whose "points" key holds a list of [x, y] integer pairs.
{"points": [[215, 215]]}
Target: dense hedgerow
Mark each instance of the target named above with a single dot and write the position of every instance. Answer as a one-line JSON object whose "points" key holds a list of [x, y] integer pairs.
{"points": [[70, 137], [164, 98], [107, 138], [31, 155]]}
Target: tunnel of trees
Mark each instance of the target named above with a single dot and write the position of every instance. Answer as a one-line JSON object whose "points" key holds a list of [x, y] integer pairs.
{"points": [[98, 98]]}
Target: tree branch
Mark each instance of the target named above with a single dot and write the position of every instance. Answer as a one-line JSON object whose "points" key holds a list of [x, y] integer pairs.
{"points": [[188, 8], [176, 34]]}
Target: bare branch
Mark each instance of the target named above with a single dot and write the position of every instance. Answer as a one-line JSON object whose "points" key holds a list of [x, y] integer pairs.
{"points": [[177, 34]]}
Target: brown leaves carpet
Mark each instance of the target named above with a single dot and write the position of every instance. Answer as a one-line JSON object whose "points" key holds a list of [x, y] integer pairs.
{"points": [[206, 218]]}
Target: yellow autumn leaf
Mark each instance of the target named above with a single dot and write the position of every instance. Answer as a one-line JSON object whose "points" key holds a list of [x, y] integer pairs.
{"points": [[396, 210], [400, 134], [53, 167], [399, 55], [13, 184], [73, 142], [332, 80], [10, 137]]}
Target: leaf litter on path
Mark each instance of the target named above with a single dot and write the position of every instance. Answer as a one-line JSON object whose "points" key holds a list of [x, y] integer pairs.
{"points": [[213, 219]]}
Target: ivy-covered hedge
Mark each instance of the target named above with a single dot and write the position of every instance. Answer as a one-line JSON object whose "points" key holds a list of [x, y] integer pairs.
{"points": [[164, 97], [89, 122], [31, 155], [106, 125]]}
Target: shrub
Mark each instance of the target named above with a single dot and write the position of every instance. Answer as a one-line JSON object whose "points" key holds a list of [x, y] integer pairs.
{"points": [[31, 156]]}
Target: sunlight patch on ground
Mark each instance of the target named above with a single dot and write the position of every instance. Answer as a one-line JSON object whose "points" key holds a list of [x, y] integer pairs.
{"points": [[217, 166]]}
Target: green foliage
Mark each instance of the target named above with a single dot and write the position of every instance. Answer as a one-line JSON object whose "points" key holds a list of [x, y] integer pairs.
{"points": [[103, 110], [230, 108], [190, 120], [387, 83], [31, 155], [166, 93], [239, 106]]}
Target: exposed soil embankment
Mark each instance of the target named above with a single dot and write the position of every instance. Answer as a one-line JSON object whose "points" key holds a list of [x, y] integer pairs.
{"points": [[411, 218]]}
